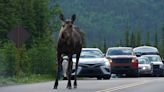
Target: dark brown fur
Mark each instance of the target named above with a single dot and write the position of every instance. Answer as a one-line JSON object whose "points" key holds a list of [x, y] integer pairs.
{"points": [[69, 43]]}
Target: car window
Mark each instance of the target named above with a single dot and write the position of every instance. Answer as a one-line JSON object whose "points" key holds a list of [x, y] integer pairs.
{"points": [[142, 61], [154, 58], [120, 52], [91, 54]]}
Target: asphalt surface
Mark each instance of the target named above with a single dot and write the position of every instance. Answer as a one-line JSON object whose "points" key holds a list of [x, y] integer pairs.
{"points": [[150, 84]]}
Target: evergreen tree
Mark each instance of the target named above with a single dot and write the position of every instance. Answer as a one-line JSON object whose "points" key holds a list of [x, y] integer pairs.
{"points": [[104, 46], [148, 39], [132, 40], [156, 40], [138, 38], [162, 44], [127, 38]]}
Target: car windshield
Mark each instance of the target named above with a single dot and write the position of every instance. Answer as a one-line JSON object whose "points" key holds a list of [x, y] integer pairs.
{"points": [[120, 52], [142, 61], [154, 58], [91, 54]]}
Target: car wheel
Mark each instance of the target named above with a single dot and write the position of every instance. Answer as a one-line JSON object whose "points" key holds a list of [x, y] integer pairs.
{"points": [[64, 78], [107, 77], [99, 78]]}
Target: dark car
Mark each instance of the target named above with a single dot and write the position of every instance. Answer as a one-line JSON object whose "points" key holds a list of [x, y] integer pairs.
{"points": [[122, 61]]}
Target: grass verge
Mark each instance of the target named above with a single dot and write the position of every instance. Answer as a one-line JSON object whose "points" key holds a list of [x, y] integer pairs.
{"points": [[24, 80]]}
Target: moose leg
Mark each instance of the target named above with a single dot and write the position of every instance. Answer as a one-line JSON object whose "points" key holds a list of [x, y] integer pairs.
{"points": [[69, 71], [77, 61], [59, 58]]}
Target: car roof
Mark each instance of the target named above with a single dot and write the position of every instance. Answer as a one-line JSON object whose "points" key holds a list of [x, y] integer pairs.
{"points": [[142, 57], [151, 55], [90, 49], [145, 49], [120, 48]]}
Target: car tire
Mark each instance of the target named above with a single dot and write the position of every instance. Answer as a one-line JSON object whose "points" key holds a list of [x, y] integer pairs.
{"points": [[99, 78], [64, 78], [107, 77]]}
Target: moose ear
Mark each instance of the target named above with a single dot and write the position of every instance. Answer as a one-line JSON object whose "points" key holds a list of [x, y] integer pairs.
{"points": [[73, 18], [61, 17]]}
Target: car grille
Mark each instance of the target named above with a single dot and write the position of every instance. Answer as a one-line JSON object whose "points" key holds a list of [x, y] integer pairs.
{"points": [[122, 60], [155, 66], [90, 65]]}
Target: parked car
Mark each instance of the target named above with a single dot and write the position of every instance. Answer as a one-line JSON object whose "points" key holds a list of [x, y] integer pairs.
{"points": [[158, 66], [92, 63], [145, 66], [122, 61]]}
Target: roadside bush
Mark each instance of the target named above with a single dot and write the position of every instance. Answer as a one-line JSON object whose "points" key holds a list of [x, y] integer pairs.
{"points": [[9, 55], [42, 58]]}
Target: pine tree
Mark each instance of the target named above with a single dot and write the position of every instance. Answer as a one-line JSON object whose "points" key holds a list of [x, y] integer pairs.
{"points": [[162, 44], [132, 40], [156, 40], [127, 38], [104, 45], [148, 39], [138, 38]]}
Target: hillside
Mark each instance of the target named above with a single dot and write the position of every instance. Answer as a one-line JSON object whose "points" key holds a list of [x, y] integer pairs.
{"points": [[109, 19]]}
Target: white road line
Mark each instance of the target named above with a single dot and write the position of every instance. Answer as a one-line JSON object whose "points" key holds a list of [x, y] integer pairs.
{"points": [[127, 86]]}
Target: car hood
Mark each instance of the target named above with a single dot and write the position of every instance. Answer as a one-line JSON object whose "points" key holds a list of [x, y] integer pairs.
{"points": [[157, 63], [90, 60], [122, 56], [143, 65]]}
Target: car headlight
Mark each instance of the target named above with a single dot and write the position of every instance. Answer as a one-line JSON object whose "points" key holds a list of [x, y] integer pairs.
{"points": [[161, 66], [107, 63], [144, 68]]}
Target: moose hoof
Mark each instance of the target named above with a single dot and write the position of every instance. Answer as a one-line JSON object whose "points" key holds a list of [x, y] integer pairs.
{"points": [[75, 86], [55, 87], [69, 87]]}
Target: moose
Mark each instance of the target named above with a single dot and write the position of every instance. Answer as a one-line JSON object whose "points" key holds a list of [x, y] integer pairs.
{"points": [[70, 41]]}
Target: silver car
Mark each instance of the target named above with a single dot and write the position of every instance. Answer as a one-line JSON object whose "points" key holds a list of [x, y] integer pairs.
{"points": [[92, 63], [158, 66], [145, 66]]}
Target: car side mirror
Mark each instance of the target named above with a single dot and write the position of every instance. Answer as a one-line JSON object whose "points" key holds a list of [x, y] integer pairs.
{"points": [[138, 54]]}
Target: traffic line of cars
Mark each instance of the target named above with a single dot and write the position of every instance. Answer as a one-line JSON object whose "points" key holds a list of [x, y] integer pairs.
{"points": [[144, 60]]}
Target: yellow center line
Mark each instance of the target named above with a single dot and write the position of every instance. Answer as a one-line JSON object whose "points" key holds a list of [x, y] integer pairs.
{"points": [[126, 86]]}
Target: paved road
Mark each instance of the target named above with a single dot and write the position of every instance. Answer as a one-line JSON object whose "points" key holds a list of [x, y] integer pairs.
{"points": [[92, 85]]}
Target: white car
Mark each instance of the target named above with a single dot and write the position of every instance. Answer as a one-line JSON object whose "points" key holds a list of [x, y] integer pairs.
{"points": [[145, 66], [92, 63]]}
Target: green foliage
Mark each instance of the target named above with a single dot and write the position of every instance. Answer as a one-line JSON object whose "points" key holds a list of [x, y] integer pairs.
{"points": [[42, 57], [138, 38], [162, 44], [108, 18], [156, 40], [132, 40], [9, 52], [127, 38], [148, 39], [38, 54], [26, 79]]}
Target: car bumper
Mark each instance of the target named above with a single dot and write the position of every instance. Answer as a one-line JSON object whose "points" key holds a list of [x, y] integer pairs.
{"points": [[93, 71], [147, 71], [158, 71], [122, 70]]}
